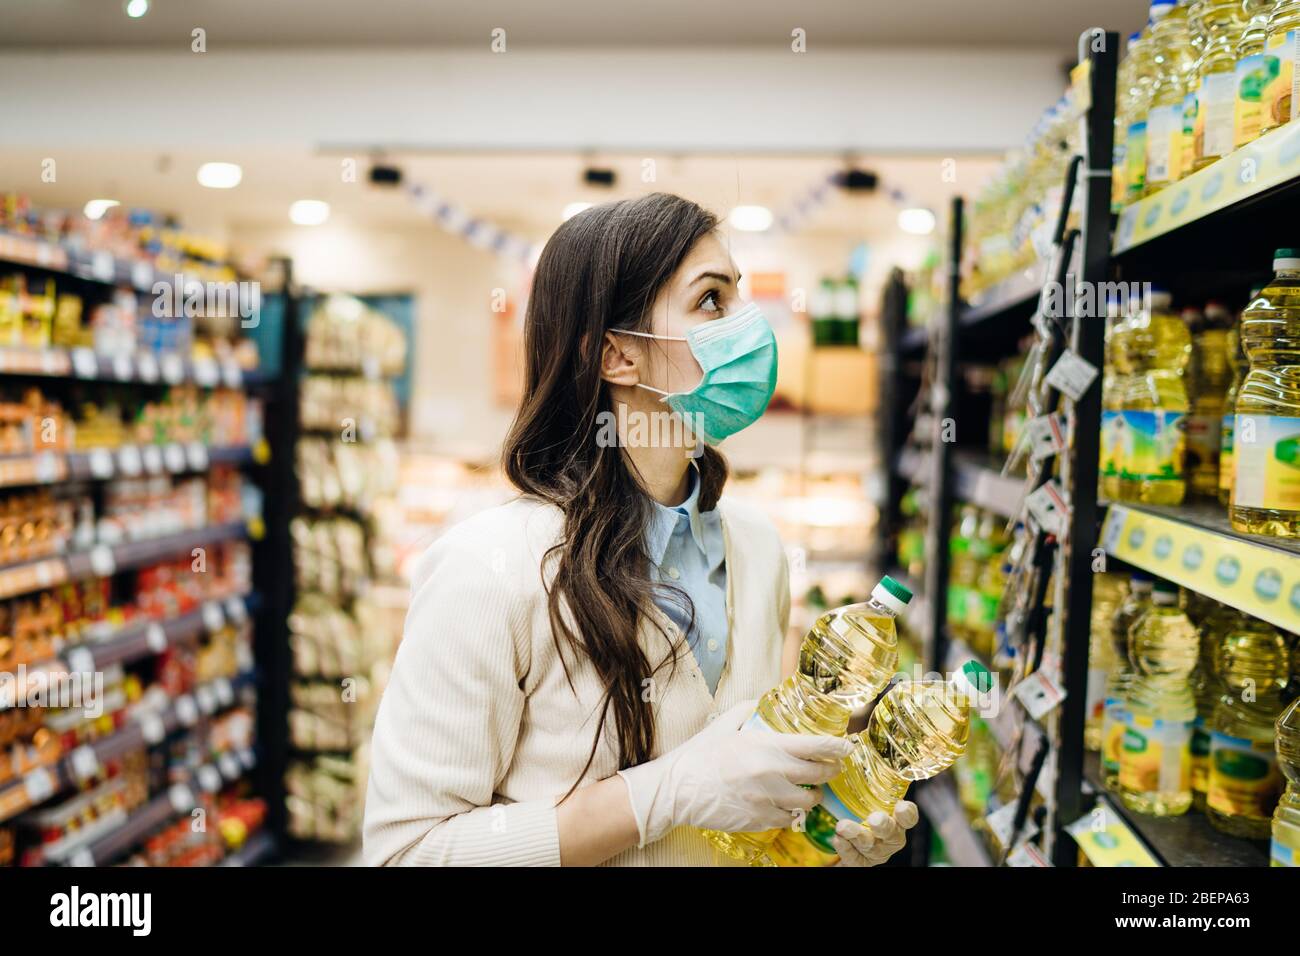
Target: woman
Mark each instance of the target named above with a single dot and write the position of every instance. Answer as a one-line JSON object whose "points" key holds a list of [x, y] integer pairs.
{"points": [[578, 663]]}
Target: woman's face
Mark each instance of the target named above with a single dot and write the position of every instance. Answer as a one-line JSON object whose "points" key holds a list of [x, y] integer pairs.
{"points": [[704, 288]]}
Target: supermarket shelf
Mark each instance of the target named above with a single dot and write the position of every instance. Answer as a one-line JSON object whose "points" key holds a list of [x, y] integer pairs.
{"points": [[1016, 293], [143, 639], [259, 848], [1188, 840], [50, 467], [168, 368], [105, 560], [144, 730], [1194, 546], [937, 799], [975, 482]]}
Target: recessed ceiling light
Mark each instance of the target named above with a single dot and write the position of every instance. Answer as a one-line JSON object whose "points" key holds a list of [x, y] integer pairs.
{"points": [[220, 175], [96, 208], [751, 218], [135, 9], [309, 212], [917, 221], [573, 208]]}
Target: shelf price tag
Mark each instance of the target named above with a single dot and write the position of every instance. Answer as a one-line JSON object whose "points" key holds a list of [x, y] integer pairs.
{"points": [[248, 758], [155, 637], [39, 785], [197, 454], [123, 367], [187, 712], [172, 367], [48, 467], [206, 372], [142, 276], [228, 766], [85, 363], [181, 797], [102, 266], [84, 763], [206, 699], [1107, 841], [80, 660], [1039, 693], [209, 778], [83, 857], [1048, 508], [224, 691], [1046, 436], [1071, 375], [129, 460], [213, 618], [101, 463], [1002, 821], [236, 611], [1027, 855], [153, 459], [102, 562], [146, 364], [174, 457], [231, 373], [152, 728]]}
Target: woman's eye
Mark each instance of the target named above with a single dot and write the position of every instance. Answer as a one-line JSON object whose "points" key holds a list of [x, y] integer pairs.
{"points": [[710, 303]]}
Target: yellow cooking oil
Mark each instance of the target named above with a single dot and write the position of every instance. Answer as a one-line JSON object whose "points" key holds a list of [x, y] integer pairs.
{"points": [[1155, 772], [1214, 83], [1143, 74], [1207, 688], [1254, 71], [1156, 405], [846, 659], [1278, 105], [963, 571], [1116, 381], [1286, 818], [1108, 592], [1125, 83], [985, 597], [1266, 435], [1237, 361], [1208, 379], [1119, 683], [1254, 663], [1173, 71], [916, 731]]}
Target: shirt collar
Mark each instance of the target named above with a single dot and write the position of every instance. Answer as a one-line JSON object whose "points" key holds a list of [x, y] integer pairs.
{"points": [[665, 518]]}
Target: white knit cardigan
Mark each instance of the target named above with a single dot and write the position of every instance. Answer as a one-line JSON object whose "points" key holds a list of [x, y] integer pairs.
{"points": [[479, 731]]}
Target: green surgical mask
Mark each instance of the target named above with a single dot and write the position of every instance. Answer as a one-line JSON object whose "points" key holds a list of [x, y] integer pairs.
{"points": [[738, 356]]}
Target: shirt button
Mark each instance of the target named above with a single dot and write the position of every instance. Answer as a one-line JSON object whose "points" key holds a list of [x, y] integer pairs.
{"points": [[712, 645], [674, 573]]}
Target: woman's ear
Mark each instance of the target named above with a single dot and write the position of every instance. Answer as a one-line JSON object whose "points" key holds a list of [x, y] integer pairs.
{"points": [[620, 360]]}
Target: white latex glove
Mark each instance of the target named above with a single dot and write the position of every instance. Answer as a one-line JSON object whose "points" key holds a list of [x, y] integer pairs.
{"points": [[729, 779], [881, 838]]}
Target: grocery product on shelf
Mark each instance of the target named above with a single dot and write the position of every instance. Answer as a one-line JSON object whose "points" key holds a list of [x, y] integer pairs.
{"points": [[985, 596], [916, 731], [1207, 687], [1119, 684], [1219, 23], [1286, 818], [1253, 663], [1254, 68], [344, 335], [1208, 379], [1278, 103], [1266, 442], [1237, 361], [1155, 405], [964, 569], [1114, 386], [845, 660], [1174, 58], [1109, 590], [1155, 759]]}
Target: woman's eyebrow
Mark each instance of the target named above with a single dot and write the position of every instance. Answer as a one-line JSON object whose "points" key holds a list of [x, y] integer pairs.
{"points": [[720, 276]]}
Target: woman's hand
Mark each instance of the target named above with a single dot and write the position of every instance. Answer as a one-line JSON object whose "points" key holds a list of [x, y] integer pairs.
{"points": [[876, 842], [725, 778]]}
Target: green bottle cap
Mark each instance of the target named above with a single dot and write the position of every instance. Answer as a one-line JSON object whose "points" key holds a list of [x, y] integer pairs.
{"points": [[977, 676], [896, 589], [1286, 254]]}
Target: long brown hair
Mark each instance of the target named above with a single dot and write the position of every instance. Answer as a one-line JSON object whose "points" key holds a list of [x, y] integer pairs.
{"points": [[602, 269]]}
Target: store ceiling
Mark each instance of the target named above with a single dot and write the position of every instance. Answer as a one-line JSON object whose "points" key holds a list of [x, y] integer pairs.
{"points": [[523, 191], [562, 23]]}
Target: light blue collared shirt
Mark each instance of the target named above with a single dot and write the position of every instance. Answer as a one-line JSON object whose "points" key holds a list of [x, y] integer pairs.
{"points": [[686, 549]]}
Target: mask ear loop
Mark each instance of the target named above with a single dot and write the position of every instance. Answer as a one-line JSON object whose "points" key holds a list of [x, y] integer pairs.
{"points": [[648, 335]]}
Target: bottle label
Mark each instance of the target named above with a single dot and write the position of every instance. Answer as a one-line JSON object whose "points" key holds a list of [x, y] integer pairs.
{"points": [[1266, 462], [1113, 726], [1095, 702], [1200, 756], [1136, 154], [1215, 100], [1113, 435], [1164, 142], [982, 609], [819, 822], [1189, 140], [1244, 777], [1253, 75], [1281, 854], [1279, 100], [1155, 446], [957, 596], [1225, 453], [1156, 756], [1203, 442]]}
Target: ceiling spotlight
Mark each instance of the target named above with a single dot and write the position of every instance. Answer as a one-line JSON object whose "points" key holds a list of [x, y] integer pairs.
{"points": [[309, 212], [917, 221], [751, 218], [573, 208], [135, 9], [220, 175], [858, 180], [597, 176], [96, 208], [382, 175]]}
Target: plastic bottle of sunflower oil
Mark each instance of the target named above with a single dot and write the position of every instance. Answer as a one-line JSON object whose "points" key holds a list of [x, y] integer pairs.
{"points": [[1114, 386], [1207, 688], [1125, 90], [1254, 70], [1108, 592], [1143, 78], [1173, 69], [1209, 377], [1156, 405], [964, 569], [848, 656], [1119, 683], [1237, 361], [1266, 436], [1155, 773], [1286, 818], [916, 731], [1254, 664], [1278, 103], [1213, 86]]}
